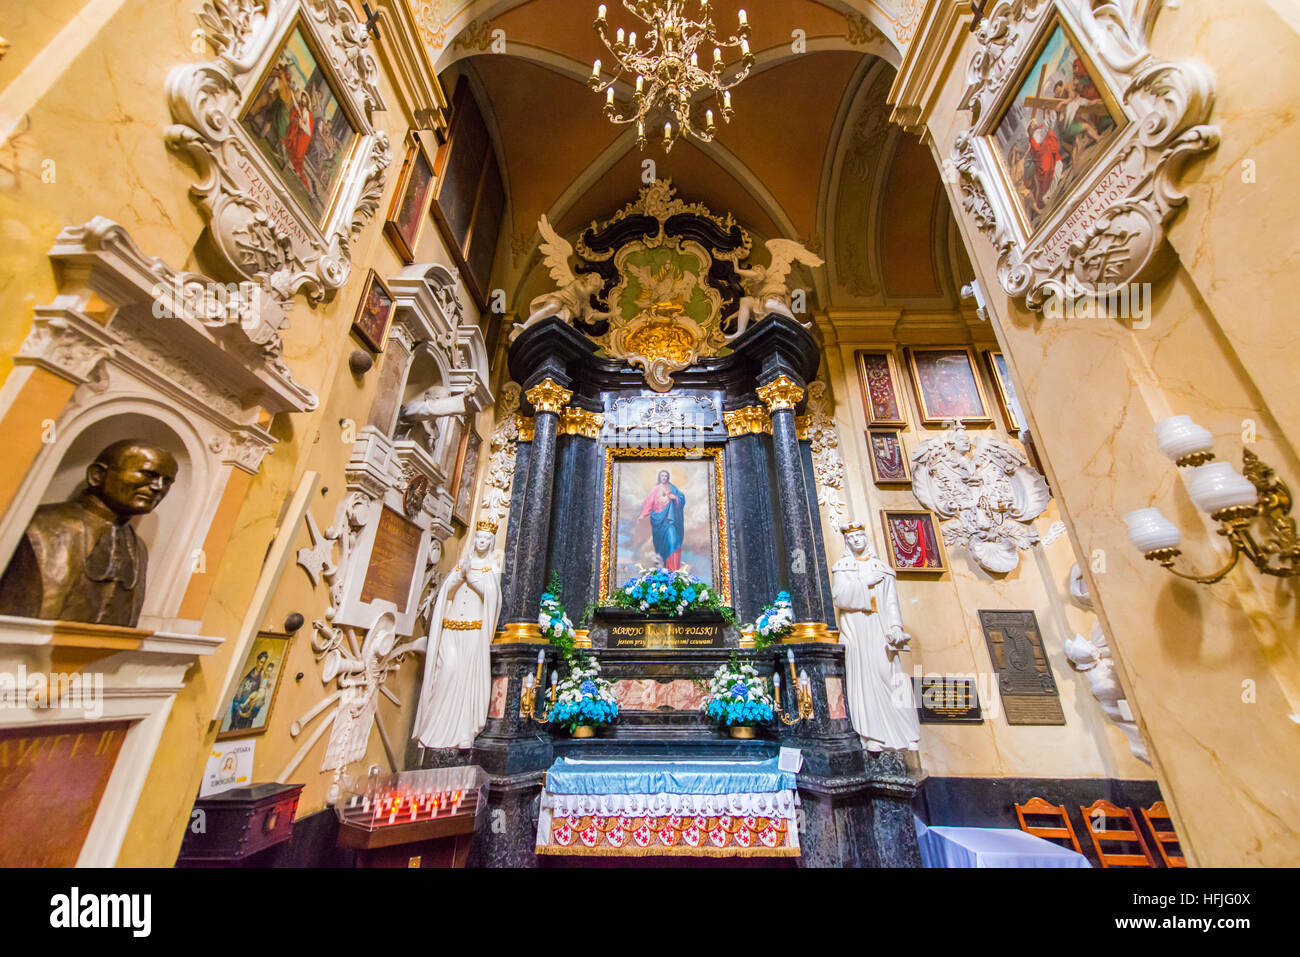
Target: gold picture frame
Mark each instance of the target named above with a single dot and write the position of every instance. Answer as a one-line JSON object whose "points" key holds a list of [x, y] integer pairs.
{"points": [[1005, 389], [296, 184], [718, 544], [936, 410], [374, 315], [879, 473], [884, 376], [929, 545], [259, 700], [408, 212], [1052, 24]]}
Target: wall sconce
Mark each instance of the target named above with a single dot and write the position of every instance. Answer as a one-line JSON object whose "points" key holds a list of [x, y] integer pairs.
{"points": [[1237, 502], [528, 694], [803, 693]]}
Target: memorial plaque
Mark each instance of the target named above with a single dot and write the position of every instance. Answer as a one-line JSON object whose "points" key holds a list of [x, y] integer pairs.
{"points": [[393, 557], [666, 634], [1025, 681], [51, 782], [947, 699]]}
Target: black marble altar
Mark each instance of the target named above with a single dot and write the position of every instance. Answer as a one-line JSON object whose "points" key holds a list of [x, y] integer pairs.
{"points": [[856, 806]]}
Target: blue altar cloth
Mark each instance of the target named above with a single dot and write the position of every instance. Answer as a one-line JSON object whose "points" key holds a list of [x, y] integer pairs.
{"points": [[569, 776]]}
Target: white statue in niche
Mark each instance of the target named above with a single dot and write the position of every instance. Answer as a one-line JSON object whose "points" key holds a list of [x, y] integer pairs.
{"points": [[457, 666], [767, 287], [419, 419], [880, 699], [572, 299]]}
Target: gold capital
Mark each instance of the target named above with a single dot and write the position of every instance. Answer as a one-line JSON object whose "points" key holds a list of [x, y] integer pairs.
{"points": [[549, 396], [750, 420], [526, 426], [581, 422], [780, 394]]}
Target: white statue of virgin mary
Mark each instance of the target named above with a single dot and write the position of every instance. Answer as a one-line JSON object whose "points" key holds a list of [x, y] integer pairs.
{"points": [[457, 668], [881, 705]]}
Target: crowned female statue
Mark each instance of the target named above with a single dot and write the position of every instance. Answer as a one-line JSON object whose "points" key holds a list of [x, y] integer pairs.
{"points": [[881, 705], [457, 668]]}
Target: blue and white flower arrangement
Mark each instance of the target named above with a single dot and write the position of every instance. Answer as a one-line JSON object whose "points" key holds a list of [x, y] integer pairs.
{"points": [[583, 697], [738, 696], [776, 622], [554, 622], [663, 592]]}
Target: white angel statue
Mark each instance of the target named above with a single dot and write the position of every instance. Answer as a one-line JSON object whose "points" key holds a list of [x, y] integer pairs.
{"points": [[572, 298], [421, 416], [766, 287]]}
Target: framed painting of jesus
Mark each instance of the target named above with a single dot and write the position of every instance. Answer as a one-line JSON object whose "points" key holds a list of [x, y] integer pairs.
{"points": [[664, 508]]}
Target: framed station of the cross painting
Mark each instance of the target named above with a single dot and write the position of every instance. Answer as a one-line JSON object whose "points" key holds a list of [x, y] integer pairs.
{"points": [[878, 377], [664, 508], [1058, 117]]}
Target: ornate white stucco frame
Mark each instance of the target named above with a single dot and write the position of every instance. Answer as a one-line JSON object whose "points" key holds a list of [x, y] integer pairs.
{"points": [[1111, 226], [255, 223]]}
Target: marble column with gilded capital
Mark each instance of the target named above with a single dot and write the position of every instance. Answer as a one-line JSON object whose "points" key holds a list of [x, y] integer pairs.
{"points": [[547, 397], [781, 395]]}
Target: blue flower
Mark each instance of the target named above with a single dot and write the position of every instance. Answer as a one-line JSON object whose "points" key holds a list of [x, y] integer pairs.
{"points": [[740, 689], [588, 687], [689, 594]]}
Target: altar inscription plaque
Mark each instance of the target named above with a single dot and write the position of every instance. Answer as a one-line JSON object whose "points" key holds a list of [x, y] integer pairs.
{"points": [[947, 699], [393, 558], [666, 635], [1025, 682]]}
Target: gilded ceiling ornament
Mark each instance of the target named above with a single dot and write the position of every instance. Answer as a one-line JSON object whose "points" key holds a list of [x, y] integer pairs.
{"points": [[549, 396], [664, 414], [780, 394], [750, 420], [987, 494]]}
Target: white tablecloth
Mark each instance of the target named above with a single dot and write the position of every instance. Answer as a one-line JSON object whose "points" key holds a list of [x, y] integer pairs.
{"points": [[992, 847]]}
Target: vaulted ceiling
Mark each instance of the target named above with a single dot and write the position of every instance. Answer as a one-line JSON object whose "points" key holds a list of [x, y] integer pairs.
{"points": [[809, 154]]}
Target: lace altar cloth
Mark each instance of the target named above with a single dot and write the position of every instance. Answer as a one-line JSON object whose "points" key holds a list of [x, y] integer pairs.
{"points": [[669, 808]]}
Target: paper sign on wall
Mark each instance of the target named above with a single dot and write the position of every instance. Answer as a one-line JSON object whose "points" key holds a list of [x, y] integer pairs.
{"points": [[230, 765]]}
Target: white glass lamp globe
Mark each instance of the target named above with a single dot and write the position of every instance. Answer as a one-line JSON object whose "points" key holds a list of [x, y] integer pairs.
{"points": [[1218, 486], [1179, 436], [1148, 530]]}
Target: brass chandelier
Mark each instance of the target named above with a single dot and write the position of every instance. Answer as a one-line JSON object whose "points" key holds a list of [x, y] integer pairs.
{"points": [[666, 65]]}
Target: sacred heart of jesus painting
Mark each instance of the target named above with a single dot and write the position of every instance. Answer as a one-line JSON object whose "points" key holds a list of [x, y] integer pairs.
{"points": [[663, 512]]}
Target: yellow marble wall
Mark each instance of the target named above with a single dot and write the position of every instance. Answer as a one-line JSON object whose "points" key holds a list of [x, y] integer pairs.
{"points": [[941, 612], [1212, 672], [89, 108]]}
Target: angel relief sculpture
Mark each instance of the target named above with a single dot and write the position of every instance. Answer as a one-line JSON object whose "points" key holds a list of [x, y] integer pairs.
{"points": [[572, 298], [987, 498], [767, 287]]}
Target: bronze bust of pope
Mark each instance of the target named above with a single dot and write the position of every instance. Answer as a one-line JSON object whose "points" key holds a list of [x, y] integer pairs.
{"points": [[81, 560]]}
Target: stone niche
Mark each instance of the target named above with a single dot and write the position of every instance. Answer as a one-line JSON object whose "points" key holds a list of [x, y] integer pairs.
{"points": [[398, 507], [133, 348]]}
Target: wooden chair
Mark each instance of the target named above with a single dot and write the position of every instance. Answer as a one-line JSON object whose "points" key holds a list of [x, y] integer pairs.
{"points": [[1163, 837], [1036, 806], [1098, 817]]}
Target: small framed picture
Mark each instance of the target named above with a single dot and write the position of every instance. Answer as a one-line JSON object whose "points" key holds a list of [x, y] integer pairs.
{"points": [[374, 313], [249, 709], [1006, 390], [888, 458], [878, 376], [466, 473], [912, 541], [410, 206], [948, 386]]}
